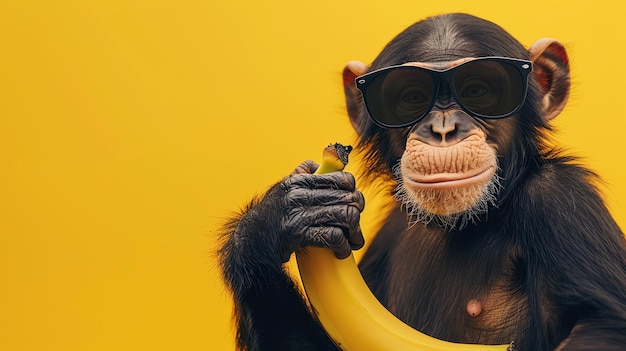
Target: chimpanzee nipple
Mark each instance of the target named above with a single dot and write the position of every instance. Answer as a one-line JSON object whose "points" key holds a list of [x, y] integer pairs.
{"points": [[474, 308]]}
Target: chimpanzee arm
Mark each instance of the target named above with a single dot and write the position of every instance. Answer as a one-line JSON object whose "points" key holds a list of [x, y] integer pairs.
{"points": [[301, 210], [582, 255]]}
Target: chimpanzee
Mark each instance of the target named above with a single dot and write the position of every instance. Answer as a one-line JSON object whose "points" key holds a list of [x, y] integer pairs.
{"points": [[495, 235]]}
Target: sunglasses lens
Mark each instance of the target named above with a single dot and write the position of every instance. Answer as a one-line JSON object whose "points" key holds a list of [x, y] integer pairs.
{"points": [[489, 88], [400, 96]]}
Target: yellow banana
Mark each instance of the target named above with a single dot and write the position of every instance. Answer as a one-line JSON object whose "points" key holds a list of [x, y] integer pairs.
{"points": [[343, 303]]}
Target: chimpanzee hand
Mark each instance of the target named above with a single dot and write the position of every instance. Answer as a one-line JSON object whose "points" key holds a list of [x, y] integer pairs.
{"points": [[321, 210]]}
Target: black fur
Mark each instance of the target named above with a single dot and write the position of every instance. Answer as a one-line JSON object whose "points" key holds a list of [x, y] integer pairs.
{"points": [[548, 260]]}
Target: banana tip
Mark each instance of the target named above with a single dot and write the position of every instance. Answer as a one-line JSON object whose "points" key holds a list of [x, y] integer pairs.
{"points": [[342, 151]]}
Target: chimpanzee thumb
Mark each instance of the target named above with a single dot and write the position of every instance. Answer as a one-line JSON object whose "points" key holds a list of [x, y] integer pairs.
{"points": [[306, 167]]}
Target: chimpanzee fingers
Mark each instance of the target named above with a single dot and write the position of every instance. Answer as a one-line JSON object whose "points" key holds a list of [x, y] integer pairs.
{"points": [[352, 228], [349, 220], [345, 218], [333, 180], [328, 237], [302, 197]]}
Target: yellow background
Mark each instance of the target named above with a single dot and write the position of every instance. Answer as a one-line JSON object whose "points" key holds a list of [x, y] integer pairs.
{"points": [[130, 129]]}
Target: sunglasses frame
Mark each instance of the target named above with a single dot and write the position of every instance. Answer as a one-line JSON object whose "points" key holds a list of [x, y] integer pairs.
{"points": [[523, 66]]}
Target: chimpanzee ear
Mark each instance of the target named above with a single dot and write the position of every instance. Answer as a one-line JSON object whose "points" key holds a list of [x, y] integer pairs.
{"points": [[551, 70], [353, 96]]}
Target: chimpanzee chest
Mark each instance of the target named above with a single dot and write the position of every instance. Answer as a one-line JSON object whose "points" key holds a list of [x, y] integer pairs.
{"points": [[459, 290]]}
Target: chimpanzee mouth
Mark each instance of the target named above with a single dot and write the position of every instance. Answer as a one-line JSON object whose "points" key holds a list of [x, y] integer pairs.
{"points": [[451, 200], [449, 180]]}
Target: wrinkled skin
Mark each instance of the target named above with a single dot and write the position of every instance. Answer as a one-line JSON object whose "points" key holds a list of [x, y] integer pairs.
{"points": [[321, 211], [450, 180]]}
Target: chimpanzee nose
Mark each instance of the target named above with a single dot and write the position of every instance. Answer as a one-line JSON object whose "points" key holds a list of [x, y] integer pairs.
{"points": [[442, 128]]}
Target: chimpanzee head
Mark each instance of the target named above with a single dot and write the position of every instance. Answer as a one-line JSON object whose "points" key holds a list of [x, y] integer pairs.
{"points": [[455, 109]]}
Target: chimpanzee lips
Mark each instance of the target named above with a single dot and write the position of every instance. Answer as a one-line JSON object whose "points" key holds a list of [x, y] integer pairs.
{"points": [[448, 180]]}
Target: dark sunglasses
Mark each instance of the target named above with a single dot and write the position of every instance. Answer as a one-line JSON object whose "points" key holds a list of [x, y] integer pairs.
{"points": [[485, 87]]}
